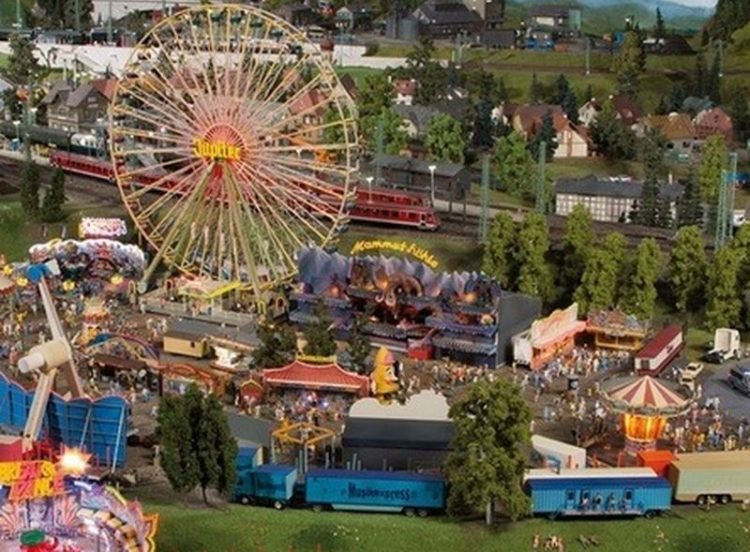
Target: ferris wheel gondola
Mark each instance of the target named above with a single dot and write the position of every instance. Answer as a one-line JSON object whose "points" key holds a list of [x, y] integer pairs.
{"points": [[244, 129]]}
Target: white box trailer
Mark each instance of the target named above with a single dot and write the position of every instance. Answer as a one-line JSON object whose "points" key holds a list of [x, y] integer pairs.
{"points": [[722, 476], [563, 455]]}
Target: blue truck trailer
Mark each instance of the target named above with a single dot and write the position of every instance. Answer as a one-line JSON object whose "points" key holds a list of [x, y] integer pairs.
{"points": [[599, 495], [270, 484], [375, 491]]}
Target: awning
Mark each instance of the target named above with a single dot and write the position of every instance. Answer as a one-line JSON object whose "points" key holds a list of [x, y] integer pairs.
{"points": [[311, 376], [573, 329]]}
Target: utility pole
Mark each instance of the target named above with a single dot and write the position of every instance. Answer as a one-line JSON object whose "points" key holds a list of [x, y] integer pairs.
{"points": [[78, 15], [541, 185], [19, 19], [588, 56], [721, 58], [722, 217], [485, 200], [730, 193]]}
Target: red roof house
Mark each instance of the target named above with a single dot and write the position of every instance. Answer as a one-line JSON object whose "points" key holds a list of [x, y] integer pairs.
{"points": [[330, 377], [714, 121]]}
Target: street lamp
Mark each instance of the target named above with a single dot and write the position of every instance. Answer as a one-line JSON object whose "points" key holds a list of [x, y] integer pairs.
{"points": [[17, 124], [432, 183], [369, 180], [32, 113]]}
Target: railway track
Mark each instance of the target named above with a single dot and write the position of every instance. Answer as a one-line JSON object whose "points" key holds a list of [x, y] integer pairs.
{"points": [[456, 225]]}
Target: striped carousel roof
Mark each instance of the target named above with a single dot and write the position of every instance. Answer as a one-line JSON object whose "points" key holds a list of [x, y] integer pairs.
{"points": [[645, 393]]}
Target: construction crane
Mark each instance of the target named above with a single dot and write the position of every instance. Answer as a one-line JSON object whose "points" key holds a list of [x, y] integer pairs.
{"points": [[48, 358]]}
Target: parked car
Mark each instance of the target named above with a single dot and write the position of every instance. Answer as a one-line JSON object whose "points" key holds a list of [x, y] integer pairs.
{"points": [[739, 379], [689, 374]]}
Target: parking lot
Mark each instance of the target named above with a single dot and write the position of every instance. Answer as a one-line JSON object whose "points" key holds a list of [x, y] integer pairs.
{"points": [[732, 402]]}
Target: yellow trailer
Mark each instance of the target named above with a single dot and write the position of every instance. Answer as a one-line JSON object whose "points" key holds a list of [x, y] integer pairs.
{"points": [[186, 344]]}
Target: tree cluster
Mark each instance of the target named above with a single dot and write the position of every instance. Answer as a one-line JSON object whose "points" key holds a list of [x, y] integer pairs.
{"points": [[278, 346], [729, 16], [630, 64], [197, 448], [611, 138], [66, 14], [319, 338]]}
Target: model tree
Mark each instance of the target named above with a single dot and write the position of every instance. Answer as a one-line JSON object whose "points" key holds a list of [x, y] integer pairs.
{"points": [[687, 268], [359, 345], [319, 340], [197, 448], [278, 346], [578, 244], [536, 90], [488, 453], [547, 135], [483, 132], [85, 11], [598, 283], [690, 207], [647, 211], [534, 274], [629, 64], [514, 166], [712, 165], [640, 294], [610, 137], [724, 304], [30, 189], [54, 199], [445, 139], [659, 28], [394, 136], [499, 253], [566, 98], [374, 95], [740, 113]]}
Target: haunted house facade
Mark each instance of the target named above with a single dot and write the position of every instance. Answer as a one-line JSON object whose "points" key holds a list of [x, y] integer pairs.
{"points": [[464, 316]]}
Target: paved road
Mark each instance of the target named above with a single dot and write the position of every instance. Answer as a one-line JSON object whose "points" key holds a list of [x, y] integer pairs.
{"points": [[732, 402]]}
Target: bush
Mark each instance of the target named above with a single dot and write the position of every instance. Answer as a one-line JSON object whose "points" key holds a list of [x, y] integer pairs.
{"points": [[371, 48]]}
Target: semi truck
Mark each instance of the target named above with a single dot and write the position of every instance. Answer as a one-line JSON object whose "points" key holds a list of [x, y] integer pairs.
{"points": [[726, 345], [718, 476], [322, 489], [375, 491]]}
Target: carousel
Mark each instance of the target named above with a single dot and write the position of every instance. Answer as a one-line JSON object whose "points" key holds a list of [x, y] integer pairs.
{"points": [[645, 405]]}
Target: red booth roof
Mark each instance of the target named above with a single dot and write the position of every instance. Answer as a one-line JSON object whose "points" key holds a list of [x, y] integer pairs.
{"points": [[314, 376], [646, 392]]}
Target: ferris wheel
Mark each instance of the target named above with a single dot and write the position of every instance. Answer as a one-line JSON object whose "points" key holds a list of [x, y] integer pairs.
{"points": [[233, 144]]}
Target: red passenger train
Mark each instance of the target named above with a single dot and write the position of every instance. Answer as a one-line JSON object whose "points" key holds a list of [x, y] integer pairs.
{"points": [[376, 205]]}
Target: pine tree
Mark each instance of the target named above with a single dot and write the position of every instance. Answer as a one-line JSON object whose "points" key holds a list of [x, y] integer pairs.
{"points": [[54, 199], [534, 274], [664, 218], [536, 90], [319, 338], [178, 459], [615, 246], [629, 64], [648, 206], [546, 134], [690, 208], [687, 269], [610, 137], [640, 291], [360, 345], [701, 76], [659, 28], [738, 110], [565, 97], [30, 189], [483, 135], [499, 253]]}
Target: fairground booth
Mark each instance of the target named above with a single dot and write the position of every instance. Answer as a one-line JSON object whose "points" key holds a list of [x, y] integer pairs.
{"points": [[645, 404], [464, 316], [323, 377], [548, 338], [616, 330], [48, 506]]}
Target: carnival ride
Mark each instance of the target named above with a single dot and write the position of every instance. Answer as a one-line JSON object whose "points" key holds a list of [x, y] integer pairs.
{"points": [[202, 114], [48, 358]]}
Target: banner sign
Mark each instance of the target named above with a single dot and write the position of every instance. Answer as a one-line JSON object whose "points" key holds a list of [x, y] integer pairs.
{"points": [[404, 247], [33, 479]]}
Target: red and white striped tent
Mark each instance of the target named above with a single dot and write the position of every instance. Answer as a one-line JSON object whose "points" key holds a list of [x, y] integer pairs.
{"points": [[645, 395]]}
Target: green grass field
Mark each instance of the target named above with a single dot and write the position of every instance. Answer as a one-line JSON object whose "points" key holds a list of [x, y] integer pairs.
{"points": [[247, 529]]}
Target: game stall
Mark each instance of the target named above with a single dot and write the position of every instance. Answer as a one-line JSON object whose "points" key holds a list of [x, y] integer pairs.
{"points": [[616, 330], [548, 338]]}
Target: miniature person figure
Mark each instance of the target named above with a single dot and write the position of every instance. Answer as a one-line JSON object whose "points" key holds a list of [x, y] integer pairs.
{"points": [[535, 541]]}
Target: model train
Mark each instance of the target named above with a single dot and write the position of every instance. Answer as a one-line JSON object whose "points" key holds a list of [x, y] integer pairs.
{"points": [[376, 205], [603, 492]]}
